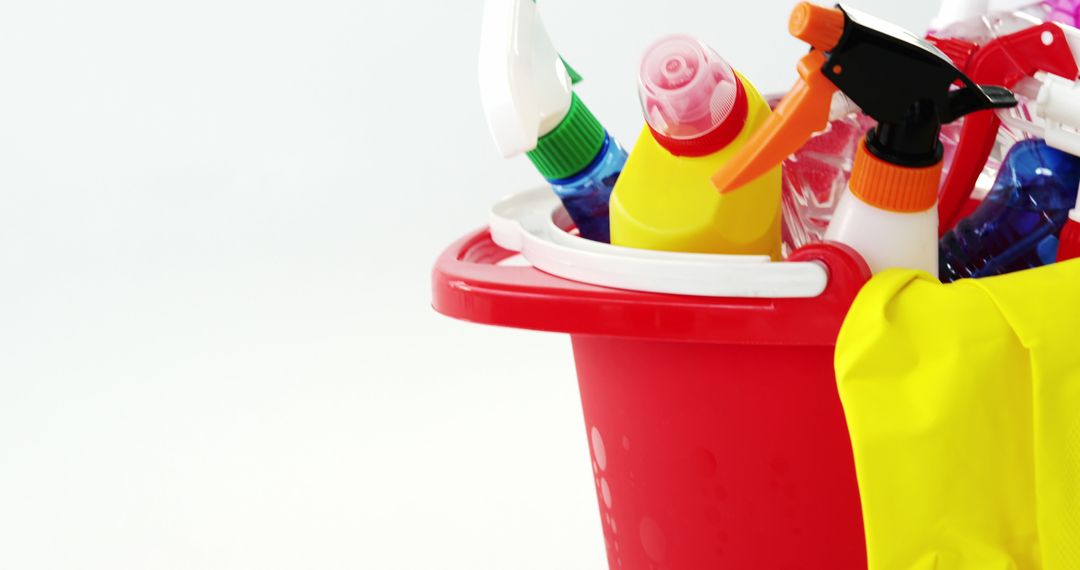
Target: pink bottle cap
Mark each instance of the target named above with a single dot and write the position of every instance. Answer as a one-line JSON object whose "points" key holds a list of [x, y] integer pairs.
{"points": [[692, 99]]}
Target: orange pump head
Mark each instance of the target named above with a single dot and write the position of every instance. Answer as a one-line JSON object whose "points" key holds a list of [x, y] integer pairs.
{"points": [[818, 26], [895, 77]]}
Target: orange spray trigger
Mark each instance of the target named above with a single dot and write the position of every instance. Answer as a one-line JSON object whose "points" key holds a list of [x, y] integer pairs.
{"points": [[803, 112]]}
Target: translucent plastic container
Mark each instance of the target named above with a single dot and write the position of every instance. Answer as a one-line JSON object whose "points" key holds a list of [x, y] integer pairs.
{"points": [[817, 174], [1017, 225]]}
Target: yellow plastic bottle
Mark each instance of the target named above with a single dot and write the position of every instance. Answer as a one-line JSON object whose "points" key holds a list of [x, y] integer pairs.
{"points": [[699, 112]]}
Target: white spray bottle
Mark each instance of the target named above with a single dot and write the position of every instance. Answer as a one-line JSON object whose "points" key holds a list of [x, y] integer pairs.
{"points": [[527, 92]]}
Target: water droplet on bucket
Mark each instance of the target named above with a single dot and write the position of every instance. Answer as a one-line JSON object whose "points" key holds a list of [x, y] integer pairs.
{"points": [[599, 454], [652, 539], [626, 443], [605, 492]]}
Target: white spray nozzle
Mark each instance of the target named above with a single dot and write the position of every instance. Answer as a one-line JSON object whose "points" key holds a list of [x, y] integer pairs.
{"points": [[524, 85], [1058, 104], [1055, 105]]}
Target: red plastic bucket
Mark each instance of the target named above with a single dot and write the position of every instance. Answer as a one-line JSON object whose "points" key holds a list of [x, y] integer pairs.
{"points": [[717, 434]]}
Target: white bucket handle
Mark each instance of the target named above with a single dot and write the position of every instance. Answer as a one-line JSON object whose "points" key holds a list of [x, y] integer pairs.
{"points": [[526, 223]]}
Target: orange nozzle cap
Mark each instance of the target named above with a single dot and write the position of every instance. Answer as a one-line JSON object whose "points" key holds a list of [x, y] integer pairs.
{"points": [[816, 25], [893, 187], [804, 111]]}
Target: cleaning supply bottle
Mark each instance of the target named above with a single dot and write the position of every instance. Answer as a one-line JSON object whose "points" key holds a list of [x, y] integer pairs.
{"points": [[1016, 226], [814, 180], [889, 214], [528, 97], [699, 113], [1057, 106], [816, 175], [1005, 60], [1054, 104]]}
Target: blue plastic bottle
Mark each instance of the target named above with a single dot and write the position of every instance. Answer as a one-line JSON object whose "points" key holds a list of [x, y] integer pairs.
{"points": [[1017, 225], [586, 195], [581, 161]]}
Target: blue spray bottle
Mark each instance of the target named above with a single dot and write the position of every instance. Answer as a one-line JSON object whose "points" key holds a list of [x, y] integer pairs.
{"points": [[1018, 223], [528, 97]]}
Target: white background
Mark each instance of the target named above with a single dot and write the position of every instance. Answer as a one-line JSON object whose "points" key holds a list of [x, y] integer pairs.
{"points": [[217, 221]]}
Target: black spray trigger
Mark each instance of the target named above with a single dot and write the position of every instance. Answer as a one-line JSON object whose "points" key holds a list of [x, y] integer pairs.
{"points": [[975, 98], [907, 85]]}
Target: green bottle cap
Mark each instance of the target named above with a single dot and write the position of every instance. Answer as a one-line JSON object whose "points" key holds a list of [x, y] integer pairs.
{"points": [[572, 146]]}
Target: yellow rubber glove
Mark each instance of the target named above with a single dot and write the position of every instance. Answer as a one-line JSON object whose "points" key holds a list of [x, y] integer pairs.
{"points": [[963, 404]]}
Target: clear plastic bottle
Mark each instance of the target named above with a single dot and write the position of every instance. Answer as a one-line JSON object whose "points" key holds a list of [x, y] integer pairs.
{"points": [[1017, 224], [816, 175]]}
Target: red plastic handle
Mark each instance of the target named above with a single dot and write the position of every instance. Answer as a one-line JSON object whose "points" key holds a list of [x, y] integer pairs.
{"points": [[468, 284], [1003, 61]]}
